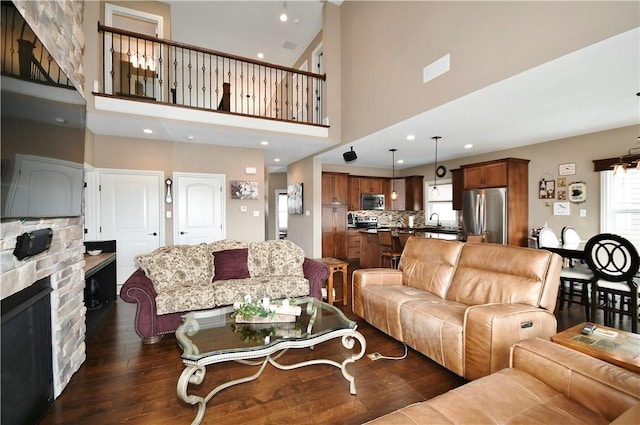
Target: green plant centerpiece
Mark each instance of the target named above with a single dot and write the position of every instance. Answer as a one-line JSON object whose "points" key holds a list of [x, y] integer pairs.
{"points": [[265, 310]]}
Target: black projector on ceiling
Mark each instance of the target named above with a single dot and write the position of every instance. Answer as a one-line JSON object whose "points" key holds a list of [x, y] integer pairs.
{"points": [[350, 156]]}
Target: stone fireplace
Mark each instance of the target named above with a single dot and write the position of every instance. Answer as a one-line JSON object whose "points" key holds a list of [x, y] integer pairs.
{"points": [[63, 263]]}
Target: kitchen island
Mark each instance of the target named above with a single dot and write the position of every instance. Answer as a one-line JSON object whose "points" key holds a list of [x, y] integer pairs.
{"points": [[370, 246]]}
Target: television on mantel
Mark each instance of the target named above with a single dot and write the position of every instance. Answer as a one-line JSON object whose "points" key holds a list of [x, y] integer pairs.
{"points": [[42, 136]]}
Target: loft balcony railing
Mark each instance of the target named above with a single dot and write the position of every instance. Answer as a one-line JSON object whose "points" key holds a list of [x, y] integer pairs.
{"points": [[147, 68], [23, 55]]}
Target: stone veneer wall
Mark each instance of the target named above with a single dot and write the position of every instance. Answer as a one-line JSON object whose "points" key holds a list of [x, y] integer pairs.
{"points": [[58, 24], [64, 263]]}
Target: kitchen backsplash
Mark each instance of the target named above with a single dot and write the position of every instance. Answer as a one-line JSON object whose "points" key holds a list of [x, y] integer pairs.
{"points": [[391, 218]]}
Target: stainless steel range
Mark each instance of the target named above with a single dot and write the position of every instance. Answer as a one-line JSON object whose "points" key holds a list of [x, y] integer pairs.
{"points": [[367, 222]]}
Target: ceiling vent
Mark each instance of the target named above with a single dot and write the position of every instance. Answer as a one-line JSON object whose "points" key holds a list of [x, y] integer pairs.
{"points": [[289, 45]]}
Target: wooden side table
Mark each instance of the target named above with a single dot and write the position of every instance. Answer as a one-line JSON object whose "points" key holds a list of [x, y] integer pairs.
{"points": [[622, 350], [336, 265]]}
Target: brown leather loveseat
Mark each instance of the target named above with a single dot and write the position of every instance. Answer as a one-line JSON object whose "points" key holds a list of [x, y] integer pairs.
{"points": [[462, 304], [546, 383]]}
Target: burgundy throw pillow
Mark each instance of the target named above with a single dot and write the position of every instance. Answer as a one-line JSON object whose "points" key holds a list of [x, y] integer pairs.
{"points": [[231, 264]]}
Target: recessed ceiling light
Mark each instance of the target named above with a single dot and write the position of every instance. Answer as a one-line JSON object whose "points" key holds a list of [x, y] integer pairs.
{"points": [[468, 146], [190, 137], [264, 143], [284, 17], [147, 131], [260, 55], [401, 161], [411, 137], [276, 160]]}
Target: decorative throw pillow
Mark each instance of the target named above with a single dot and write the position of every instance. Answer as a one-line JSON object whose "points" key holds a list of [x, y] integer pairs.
{"points": [[231, 264], [222, 245], [171, 266]]}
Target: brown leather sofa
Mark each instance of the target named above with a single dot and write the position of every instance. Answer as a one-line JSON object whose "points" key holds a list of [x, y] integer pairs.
{"points": [[462, 304], [546, 383]]}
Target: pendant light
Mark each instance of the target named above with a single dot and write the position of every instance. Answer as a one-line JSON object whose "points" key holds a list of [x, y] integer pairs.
{"points": [[283, 15], [394, 194], [434, 191]]}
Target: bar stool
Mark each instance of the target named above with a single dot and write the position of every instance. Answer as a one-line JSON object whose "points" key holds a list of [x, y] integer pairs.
{"points": [[386, 248], [614, 262]]}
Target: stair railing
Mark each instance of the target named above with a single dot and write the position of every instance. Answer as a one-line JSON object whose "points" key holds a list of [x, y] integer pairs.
{"points": [[137, 66]]}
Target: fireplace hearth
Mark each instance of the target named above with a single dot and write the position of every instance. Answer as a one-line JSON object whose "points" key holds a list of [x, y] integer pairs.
{"points": [[27, 370]]}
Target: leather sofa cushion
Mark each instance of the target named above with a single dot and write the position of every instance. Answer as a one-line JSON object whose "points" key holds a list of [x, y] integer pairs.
{"points": [[509, 396], [488, 273], [430, 269], [443, 322]]}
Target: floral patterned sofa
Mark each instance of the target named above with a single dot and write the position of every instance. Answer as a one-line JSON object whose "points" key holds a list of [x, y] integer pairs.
{"points": [[177, 279]]}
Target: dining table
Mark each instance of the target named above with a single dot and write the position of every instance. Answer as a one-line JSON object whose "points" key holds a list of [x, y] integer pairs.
{"points": [[574, 251]]}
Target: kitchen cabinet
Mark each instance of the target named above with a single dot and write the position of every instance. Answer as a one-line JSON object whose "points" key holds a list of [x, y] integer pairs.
{"points": [[399, 203], [335, 188], [487, 174], [410, 194], [512, 173], [334, 231], [371, 185], [414, 193], [457, 180], [369, 250], [354, 193], [353, 243]]}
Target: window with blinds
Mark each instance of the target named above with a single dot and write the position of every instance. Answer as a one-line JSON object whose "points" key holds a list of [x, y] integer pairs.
{"points": [[442, 204], [620, 204]]}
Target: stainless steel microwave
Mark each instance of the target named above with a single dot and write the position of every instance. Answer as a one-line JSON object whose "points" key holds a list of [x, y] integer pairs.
{"points": [[372, 202]]}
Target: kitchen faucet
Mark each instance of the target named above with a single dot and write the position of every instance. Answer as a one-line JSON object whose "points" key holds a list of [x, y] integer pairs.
{"points": [[438, 217]]}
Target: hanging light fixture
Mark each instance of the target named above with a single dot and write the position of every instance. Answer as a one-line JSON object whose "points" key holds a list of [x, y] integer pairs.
{"points": [[394, 194], [626, 161], [434, 190], [283, 15]]}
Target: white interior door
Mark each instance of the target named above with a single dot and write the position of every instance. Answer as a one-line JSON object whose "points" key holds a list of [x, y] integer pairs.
{"points": [[130, 213], [199, 208]]}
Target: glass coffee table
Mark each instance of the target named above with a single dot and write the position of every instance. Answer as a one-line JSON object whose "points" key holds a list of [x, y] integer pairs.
{"points": [[213, 336]]}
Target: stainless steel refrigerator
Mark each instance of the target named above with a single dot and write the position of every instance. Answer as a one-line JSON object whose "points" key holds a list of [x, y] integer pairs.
{"points": [[485, 210]]}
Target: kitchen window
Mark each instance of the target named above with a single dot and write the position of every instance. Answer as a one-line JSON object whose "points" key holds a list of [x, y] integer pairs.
{"points": [[442, 204], [620, 204]]}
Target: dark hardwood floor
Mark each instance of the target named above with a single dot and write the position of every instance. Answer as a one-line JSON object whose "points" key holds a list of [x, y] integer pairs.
{"points": [[124, 381]]}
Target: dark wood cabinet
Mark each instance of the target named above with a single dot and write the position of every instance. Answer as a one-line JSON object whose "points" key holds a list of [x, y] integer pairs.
{"points": [[334, 231], [371, 185], [512, 173], [399, 203], [335, 188], [100, 283], [457, 179], [488, 174], [414, 193], [353, 243], [354, 193], [369, 250]]}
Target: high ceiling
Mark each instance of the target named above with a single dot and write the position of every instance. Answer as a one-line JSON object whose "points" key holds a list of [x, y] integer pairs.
{"points": [[589, 90]]}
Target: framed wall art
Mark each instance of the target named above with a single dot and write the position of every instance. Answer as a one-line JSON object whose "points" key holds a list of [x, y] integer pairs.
{"points": [[547, 189], [294, 199], [567, 169], [242, 189], [577, 192]]}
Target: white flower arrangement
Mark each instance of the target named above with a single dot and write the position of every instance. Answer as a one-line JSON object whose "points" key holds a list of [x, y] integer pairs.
{"points": [[264, 308]]}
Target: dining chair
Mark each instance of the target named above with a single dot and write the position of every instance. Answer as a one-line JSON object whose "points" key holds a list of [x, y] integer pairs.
{"points": [[547, 237], [570, 236], [574, 279], [614, 262], [386, 248]]}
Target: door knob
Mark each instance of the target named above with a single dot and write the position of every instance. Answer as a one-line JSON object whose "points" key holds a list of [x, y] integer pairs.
{"points": [[153, 234], [183, 233]]}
